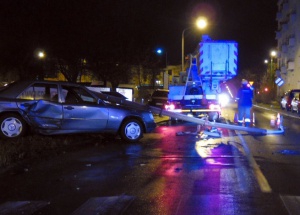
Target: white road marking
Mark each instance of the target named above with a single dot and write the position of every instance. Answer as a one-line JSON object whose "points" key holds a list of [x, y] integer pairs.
{"points": [[292, 204], [105, 205], [21, 207], [261, 179]]}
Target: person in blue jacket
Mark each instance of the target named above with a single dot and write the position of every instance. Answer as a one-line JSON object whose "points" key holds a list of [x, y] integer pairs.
{"points": [[244, 99]]}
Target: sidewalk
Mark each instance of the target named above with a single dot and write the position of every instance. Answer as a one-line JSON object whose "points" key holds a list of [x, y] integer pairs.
{"points": [[275, 107]]}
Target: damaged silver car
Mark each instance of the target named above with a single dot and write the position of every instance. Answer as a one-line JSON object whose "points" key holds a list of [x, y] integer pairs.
{"points": [[52, 108]]}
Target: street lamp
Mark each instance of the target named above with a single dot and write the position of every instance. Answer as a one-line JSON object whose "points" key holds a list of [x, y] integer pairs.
{"points": [[273, 54], [41, 54], [201, 23], [160, 52]]}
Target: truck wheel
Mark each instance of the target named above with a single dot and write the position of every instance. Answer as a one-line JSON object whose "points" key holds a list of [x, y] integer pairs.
{"points": [[131, 131], [12, 126]]}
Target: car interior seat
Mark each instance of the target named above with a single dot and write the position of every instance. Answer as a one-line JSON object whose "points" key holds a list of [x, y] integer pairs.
{"points": [[71, 98], [55, 98]]}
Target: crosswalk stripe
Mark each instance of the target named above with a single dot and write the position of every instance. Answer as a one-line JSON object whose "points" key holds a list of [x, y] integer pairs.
{"points": [[292, 204], [105, 205], [21, 207]]}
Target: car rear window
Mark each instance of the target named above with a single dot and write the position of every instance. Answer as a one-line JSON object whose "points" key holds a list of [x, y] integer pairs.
{"points": [[295, 95], [40, 91], [160, 94]]}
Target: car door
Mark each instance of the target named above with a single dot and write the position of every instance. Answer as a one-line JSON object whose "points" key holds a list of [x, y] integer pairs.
{"points": [[39, 102], [35, 92], [81, 110]]}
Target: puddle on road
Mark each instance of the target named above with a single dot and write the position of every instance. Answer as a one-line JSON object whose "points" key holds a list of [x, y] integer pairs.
{"points": [[289, 152]]}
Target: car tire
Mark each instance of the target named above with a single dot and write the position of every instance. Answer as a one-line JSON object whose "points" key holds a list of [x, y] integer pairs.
{"points": [[12, 126], [131, 131]]}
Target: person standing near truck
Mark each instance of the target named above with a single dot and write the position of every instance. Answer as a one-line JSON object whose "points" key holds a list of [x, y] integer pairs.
{"points": [[244, 99]]}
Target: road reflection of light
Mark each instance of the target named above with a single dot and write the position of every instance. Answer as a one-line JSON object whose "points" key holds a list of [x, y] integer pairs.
{"points": [[213, 161], [169, 187], [192, 176], [173, 170], [203, 149], [133, 149], [164, 128]]}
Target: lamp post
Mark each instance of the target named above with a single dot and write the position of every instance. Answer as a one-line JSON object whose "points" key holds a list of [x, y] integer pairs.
{"points": [[161, 51], [267, 65], [201, 23], [273, 54], [41, 56]]}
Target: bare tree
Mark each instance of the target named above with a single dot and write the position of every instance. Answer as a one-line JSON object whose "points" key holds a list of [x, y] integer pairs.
{"points": [[72, 69]]}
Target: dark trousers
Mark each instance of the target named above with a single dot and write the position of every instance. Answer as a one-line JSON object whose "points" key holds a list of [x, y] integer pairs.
{"points": [[244, 113]]}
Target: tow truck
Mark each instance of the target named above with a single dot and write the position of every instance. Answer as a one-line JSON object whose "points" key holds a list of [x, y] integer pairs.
{"points": [[199, 91]]}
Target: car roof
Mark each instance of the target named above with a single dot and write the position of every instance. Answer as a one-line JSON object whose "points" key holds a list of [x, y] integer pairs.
{"points": [[15, 88]]}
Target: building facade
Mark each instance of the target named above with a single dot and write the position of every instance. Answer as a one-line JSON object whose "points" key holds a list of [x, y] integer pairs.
{"points": [[288, 44]]}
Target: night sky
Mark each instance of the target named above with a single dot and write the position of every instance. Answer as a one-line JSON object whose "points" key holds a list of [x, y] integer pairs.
{"points": [[104, 26]]}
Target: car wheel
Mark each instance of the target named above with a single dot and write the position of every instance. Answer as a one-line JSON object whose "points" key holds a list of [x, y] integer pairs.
{"points": [[131, 131], [12, 126]]}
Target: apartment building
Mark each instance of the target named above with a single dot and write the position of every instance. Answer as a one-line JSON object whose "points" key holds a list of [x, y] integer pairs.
{"points": [[288, 44]]}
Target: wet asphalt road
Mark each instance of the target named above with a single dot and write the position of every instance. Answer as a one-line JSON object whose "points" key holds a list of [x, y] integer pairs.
{"points": [[174, 170]]}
